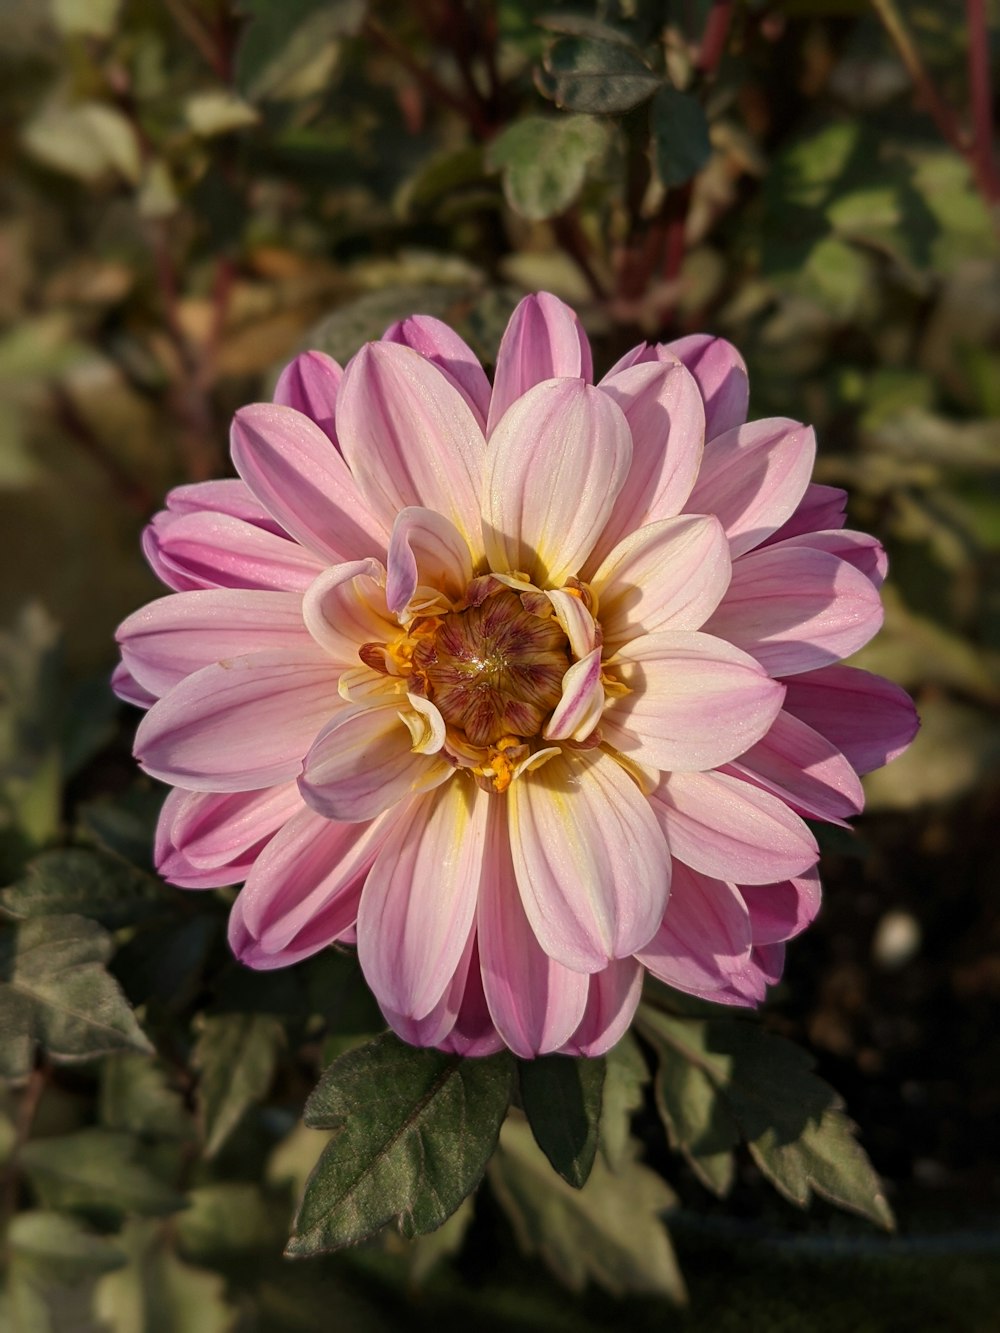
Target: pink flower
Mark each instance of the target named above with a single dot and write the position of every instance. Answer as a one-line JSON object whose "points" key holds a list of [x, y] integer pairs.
{"points": [[523, 689]]}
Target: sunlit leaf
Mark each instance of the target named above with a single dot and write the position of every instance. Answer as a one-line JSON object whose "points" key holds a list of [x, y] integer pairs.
{"points": [[625, 1079], [157, 1291], [609, 1232], [793, 1123], [414, 1130], [87, 141], [545, 160], [290, 48]]}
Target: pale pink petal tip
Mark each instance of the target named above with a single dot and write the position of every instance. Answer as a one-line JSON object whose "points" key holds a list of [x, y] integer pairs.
{"points": [[310, 384]]}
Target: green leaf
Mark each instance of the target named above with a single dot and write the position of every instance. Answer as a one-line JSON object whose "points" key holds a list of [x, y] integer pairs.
{"points": [[679, 127], [218, 111], [61, 1245], [291, 47], [92, 18], [87, 141], [597, 76], [228, 1218], [625, 1078], [414, 1131], [136, 1096], [544, 161], [158, 1292], [96, 1170], [577, 25], [54, 1265], [87, 883], [235, 1055], [793, 1123], [562, 1100], [56, 994], [609, 1231]]}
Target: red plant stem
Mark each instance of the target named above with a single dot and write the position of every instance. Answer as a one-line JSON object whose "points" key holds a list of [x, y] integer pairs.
{"points": [[469, 110], [906, 49], [981, 94], [715, 37]]}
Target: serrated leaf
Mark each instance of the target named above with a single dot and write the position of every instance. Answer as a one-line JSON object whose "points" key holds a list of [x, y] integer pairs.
{"points": [[235, 1055], [792, 1121], [680, 142], [85, 883], [544, 161], [599, 77], [424, 1253], [626, 1075], [55, 994], [87, 141], [562, 1100], [96, 1170], [608, 1232], [414, 1131]]}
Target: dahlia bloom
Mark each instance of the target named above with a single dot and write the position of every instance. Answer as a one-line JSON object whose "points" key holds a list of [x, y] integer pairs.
{"points": [[523, 689]]}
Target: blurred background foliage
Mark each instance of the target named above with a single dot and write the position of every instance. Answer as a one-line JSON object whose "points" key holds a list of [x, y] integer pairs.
{"points": [[193, 190]]}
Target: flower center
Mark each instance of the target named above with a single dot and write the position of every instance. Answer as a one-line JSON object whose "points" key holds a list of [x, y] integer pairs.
{"points": [[493, 670]]}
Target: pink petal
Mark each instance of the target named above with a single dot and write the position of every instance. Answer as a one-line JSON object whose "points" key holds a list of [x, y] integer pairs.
{"points": [[556, 463], [206, 839], [310, 384], [240, 726], [312, 866], [578, 623], [670, 575], [419, 903], [780, 911], [721, 374], [442, 346], [666, 416], [210, 550], [865, 553], [345, 608], [821, 508], [544, 340], [804, 768], [535, 1002], [435, 1026], [696, 701], [473, 1034], [364, 763], [410, 437], [870, 719], [128, 688], [611, 1005], [300, 478], [796, 609], [425, 550], [172, 637], [753, 477], [579, 710], [730, 830], [321, 931], [591, 863], [705, 937], [229, 496]]}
